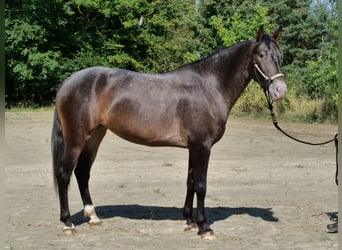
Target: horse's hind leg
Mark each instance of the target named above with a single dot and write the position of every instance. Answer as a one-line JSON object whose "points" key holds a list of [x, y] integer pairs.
{"points": [[82, 173], [63, 175]]}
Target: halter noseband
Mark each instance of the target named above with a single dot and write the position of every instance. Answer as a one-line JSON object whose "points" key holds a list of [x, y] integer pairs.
{"points": [[269, 80]]}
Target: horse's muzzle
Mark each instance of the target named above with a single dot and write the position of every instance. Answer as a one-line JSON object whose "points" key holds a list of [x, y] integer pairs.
{"points": [[277, 89]]}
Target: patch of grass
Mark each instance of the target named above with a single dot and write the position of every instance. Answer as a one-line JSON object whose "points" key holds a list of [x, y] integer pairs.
{"points": [[292, 108], [29, 109]]}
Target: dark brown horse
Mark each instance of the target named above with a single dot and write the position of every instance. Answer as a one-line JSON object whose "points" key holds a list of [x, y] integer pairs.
{"points": [[187, 108]]}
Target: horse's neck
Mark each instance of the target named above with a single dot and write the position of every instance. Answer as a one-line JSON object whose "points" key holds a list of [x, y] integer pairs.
{"points": [[229, 69], [235, 71]]}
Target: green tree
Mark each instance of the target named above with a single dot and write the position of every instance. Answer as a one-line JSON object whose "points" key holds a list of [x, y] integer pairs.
{"points": [[48, 40], [223, 23], [309, 46], [305, 25], [241, 24], [320, 81]]}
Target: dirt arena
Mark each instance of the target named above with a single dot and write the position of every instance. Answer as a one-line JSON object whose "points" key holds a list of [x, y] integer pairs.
{"points": [[264, 191]]}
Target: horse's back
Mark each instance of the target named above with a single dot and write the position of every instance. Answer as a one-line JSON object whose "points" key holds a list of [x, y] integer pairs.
{"points": [[84, 79], [91, 86]]}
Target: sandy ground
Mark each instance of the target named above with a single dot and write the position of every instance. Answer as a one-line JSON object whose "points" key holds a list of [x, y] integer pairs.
{"points": [[264, 191]]}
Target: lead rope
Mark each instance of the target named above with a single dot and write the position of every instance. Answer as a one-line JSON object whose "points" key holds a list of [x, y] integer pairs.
{"points": [[275, 123]]}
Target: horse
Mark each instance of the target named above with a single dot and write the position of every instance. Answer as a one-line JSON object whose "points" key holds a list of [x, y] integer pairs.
{"points": [[187, 108]]}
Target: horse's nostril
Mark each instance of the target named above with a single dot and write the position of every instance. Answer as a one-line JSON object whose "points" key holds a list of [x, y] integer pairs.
{"points": [[280, 90]]}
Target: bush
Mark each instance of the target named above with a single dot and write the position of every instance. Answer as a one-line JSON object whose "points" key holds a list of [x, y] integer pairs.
{"points": [[292, 108]]}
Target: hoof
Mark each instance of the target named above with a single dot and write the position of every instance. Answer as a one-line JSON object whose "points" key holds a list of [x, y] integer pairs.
{"points": [[69, 230], [95, 224], [209, 235], [190, 227]]}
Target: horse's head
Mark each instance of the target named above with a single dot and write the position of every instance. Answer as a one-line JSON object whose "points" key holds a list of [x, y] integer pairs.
{"points": [[266, 64]]}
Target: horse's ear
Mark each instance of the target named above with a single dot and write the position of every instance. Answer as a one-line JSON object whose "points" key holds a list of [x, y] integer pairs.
{"points": [[276, 35], [260, 33]]}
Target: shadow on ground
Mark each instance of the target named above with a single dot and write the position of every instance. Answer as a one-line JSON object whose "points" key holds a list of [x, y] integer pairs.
{"points": [[140, 212]]}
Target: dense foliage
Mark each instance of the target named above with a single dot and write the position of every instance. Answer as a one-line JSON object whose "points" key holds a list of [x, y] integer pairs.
{"points": [[48, 40]]}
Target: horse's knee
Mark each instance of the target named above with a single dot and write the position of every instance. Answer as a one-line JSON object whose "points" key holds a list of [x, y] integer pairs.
{"points": [[63, 178], [200, 188]]}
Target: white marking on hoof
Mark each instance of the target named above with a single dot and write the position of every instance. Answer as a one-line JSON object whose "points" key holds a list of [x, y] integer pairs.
{"points": [[89, 211], [69, 230], [208, 236], [93, 223], [190, 227]]}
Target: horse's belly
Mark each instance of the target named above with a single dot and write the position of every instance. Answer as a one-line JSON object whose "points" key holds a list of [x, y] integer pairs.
{"points": [[150, 137], [151, 131]]}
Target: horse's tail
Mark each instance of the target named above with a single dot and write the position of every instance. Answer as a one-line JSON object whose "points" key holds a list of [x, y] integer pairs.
{"points": [[57, 147]]}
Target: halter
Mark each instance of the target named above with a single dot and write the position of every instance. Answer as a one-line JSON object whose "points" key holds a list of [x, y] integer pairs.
{"points": [[269, 80]]}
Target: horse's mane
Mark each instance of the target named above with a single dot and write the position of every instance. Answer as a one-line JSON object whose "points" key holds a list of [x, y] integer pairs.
{"points": [[212, 57]]}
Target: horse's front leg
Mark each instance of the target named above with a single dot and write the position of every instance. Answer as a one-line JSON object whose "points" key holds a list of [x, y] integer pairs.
{"points": [[188, 206], [203, 227], [199, 161]]}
